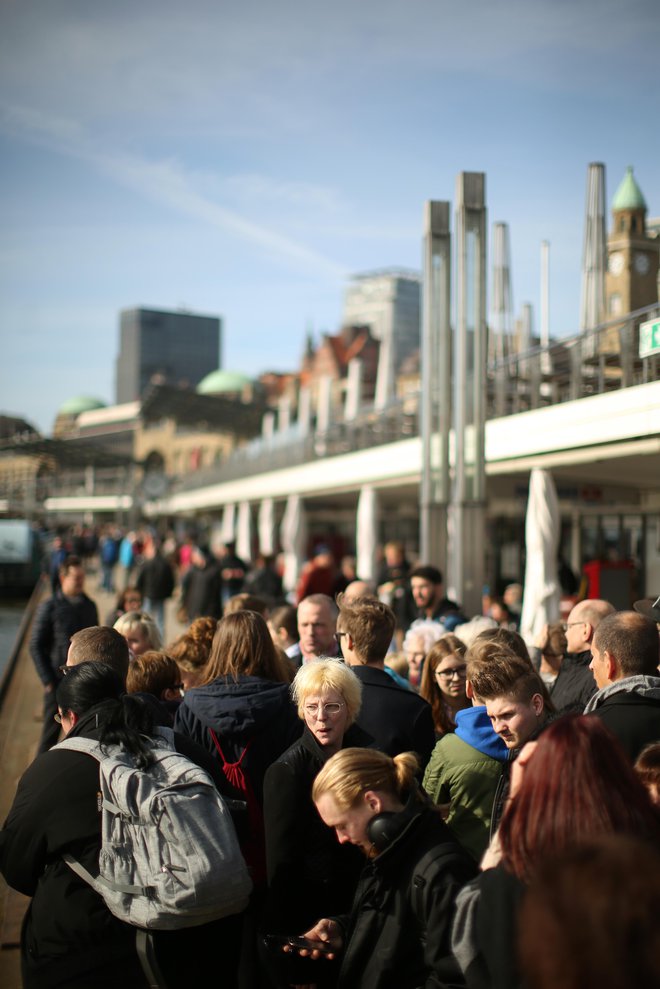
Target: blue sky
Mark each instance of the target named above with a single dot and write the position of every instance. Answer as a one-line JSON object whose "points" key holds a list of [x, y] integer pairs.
{"points": [[243, 160]]}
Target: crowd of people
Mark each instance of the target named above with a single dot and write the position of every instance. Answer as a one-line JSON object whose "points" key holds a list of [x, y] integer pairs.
{"points": [[406, 782]]}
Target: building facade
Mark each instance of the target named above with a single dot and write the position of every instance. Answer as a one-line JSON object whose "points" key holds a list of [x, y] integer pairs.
{"points": [[389, 303], [174, 348]]}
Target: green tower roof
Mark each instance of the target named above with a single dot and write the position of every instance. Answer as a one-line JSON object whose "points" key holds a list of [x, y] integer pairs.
{"points": [[81, 403], [220, 381], [629, 195]]}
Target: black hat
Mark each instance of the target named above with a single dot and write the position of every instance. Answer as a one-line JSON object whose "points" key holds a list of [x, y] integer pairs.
{"points": [[649, 607]]}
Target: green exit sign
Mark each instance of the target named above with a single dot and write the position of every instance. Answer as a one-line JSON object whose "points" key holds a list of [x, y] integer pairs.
{"points": [[649, 338]]}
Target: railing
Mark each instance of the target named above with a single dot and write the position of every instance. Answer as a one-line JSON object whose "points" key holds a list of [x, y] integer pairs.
{"points": [[84, 482], [605, 359], [575, 367], [592, 363], [397, 421]]}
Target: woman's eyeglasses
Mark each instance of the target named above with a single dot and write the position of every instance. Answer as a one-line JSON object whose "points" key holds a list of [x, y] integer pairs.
{"points": [[330, 709], [460, 673]]}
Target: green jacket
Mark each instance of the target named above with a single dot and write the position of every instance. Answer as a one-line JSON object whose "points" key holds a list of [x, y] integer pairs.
{"points": [[466, 778]]}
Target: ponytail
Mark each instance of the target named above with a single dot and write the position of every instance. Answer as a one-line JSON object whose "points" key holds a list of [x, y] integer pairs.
{"points": [[351, 772]]}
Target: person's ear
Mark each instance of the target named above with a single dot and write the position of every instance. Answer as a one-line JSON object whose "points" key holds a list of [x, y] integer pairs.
{"points": [[588, 632], [170, 694], [373, 801], [73, 718], [611, 666], [469, 690], [538, 704]]}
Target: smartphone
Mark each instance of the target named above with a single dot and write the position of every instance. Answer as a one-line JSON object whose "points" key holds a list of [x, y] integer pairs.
{"points": [[276, 942], [307, 945]]}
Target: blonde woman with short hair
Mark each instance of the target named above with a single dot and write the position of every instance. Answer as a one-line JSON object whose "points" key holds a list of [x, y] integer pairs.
{"points": [[140, 631], [307, 869]]}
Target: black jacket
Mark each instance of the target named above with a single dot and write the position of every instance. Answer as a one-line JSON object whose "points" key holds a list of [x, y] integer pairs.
{"points": [[575, 684], [156, 579], [70, 938], [398, 933], [249, 709], [443, 608], [631, 710], [201, 591], [397, 719], [310, 875], [69, 933], [56, 621]]}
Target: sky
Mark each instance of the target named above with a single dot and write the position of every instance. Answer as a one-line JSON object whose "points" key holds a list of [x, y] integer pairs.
{"points": [[243, 160]]}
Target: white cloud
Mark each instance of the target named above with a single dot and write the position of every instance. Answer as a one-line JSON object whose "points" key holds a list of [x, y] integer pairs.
{"points": [[165, 182]]}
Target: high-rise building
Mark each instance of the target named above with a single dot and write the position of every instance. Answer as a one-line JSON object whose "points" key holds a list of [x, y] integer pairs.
{"points": [[389, 303], [176, 348]]}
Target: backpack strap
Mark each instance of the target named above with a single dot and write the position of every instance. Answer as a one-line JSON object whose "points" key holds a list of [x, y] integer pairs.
{"points": [[99, 883], [80, 744], [420, 876], [146, 952]]}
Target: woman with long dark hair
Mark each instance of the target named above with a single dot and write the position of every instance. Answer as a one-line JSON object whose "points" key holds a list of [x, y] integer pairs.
{"points": [[572, 784], [443, 682], [241, 712], [70, 939]]}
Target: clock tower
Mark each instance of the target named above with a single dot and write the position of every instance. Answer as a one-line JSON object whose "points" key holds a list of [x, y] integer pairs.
{"points": [[633, 257]]}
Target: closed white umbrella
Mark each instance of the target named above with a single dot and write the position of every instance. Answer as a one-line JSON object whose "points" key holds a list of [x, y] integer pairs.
{"points": [[542, 530], [366, 536], [293, 536], [266, 526], [227, 529], [244, 531]]}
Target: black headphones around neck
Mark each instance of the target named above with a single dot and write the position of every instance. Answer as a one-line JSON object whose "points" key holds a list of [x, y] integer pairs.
{"points": [[385, 828]]}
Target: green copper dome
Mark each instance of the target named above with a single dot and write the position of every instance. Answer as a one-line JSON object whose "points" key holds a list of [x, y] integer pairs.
{"points": [[220, 381], [81, 403], [629, 195]]}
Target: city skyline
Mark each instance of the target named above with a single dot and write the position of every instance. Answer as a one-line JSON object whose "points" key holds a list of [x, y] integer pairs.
{"points": [[244, 163]]}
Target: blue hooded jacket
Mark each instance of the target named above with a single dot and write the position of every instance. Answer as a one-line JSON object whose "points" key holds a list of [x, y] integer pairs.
{"points": [[473, 727]]}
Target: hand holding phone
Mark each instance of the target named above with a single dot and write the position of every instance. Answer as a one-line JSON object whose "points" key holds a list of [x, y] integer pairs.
{"points": [[306, 944]]}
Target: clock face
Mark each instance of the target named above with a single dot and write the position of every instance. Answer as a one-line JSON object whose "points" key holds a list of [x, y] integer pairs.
{"points": [[615, 263], [642, 263]]}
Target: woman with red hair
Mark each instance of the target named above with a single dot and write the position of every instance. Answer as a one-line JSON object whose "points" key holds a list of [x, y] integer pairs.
{"points": [[571, 785]]}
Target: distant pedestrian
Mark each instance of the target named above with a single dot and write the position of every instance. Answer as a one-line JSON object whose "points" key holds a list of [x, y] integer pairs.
{"points": [[109, 555], [58, 618], [129, 599], [155, 581]]}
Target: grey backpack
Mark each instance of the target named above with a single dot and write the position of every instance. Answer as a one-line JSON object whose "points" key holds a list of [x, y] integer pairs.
{"points": [[169, 854]]}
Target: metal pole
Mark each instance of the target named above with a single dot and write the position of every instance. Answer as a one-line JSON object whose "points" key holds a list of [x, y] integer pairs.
{"points": [[436, 383], [467, 530]]}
